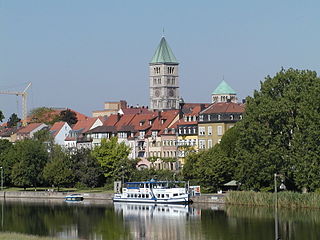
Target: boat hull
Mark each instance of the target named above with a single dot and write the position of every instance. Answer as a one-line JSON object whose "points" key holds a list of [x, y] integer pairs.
{"points": [[180, 200]]}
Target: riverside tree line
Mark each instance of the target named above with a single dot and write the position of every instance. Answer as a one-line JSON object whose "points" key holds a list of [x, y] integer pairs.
{"points": [[279, 133]]}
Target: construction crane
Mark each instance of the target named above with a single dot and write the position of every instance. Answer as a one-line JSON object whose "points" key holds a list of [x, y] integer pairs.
{"points": [[24, 95]]}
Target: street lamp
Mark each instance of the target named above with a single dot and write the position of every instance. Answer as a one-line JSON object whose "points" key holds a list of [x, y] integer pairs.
{"points": [[282, 187]]}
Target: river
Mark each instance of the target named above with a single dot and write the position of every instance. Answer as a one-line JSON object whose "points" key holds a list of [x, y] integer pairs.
{"points": [[105, 220]]}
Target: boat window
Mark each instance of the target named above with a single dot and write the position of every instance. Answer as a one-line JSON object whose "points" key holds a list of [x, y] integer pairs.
{"points": [[143, 196], [162, 195], [135, 195], [158, 195], [167, 195], [147, 195], [147, 185], [175, 194], [139, 196]]}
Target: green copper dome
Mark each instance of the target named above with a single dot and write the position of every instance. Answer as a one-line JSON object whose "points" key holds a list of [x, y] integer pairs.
{"points": [[224, 88], [163, 53]]}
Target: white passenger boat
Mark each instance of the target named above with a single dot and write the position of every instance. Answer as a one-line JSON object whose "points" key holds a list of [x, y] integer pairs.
{"points": [[168, 192]]}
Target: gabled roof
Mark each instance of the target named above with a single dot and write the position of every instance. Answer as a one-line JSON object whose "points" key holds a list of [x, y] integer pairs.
{"points": [[103, 129], [7, 132], [224, 107], [29, 128], [54, 130], [85, 124], [163, 54], [135, 110], [224, 88]]}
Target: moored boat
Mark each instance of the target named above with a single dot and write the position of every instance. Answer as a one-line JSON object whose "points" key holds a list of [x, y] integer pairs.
{"points": [[168, 192], [74, 198]]}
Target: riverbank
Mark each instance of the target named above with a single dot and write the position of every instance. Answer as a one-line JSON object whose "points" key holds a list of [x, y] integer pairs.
{"points": [[285, 199], [204, 198]]}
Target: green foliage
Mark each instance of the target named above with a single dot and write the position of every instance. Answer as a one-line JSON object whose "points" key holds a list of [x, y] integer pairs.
{"points": [[87, 170], [42, 114], [160, 175], [43, 135], [214, 167], [280, 132], [13, 120], [5, 147], [113, 158], [285, 199], [68, 116], [27, 158], [58, 170], [1, 116]]}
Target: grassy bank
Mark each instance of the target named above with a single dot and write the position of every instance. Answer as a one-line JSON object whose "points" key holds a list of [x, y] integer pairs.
{"points": [[285, 199], [18, 236]]}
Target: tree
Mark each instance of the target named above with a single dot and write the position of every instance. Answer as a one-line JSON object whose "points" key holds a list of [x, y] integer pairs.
{"points": [[86, 169], [13, 120], [58, 170], [280, 133], [68, 116], [1, 116], [43, 115], [5, 147], [28, 158], [113, 158], [213, 167]]}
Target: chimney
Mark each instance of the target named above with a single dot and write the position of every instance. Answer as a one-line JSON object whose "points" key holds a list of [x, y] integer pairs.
{"points": [[118, 117]]}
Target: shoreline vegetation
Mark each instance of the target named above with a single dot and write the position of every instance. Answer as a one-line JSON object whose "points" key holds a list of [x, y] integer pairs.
{"points": [[285, 199]]}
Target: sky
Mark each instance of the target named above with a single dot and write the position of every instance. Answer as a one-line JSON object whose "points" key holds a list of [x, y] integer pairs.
{"points": [[81, 53]]}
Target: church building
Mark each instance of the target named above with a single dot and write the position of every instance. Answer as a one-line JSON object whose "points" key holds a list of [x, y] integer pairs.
{"points": [[164, 78]]}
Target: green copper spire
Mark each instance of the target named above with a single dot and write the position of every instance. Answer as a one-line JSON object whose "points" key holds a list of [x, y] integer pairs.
{"points": [[163, 53], [224, 88]]}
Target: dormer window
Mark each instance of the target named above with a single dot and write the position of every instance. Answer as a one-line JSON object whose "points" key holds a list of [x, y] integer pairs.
{"points": [[166, 131], [185, 118], [209, 117], [240, 116], [231, 117], [219, 117], [201, 118], [163, 121]]}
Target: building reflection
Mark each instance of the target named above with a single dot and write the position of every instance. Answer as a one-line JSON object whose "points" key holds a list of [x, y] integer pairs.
{"points": [[151, 221]]}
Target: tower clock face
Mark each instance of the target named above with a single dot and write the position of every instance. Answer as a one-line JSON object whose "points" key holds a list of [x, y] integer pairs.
{"points": [[171, 93], [157, 93]]}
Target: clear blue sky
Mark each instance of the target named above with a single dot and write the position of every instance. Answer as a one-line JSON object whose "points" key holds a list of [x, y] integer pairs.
{"points": [[81, 53]]}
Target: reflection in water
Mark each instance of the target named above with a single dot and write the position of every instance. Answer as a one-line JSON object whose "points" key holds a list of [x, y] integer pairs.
{"points": [[151, 221], [105, 220]]}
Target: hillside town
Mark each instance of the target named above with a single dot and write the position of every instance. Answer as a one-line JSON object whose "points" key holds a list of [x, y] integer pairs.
{"points": [[169, 128]]}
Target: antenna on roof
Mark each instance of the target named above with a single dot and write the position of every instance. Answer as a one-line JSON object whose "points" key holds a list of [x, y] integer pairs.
{"points": [[163, 32], [222, 77]]}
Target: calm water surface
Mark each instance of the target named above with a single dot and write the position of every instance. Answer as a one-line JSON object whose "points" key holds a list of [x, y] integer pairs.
{"points": [[105, 220]]}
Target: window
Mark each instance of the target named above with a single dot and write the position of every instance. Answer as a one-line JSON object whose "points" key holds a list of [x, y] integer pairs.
{"points": [[209, 143], [231, 117], [209, 117], [202, 131], [209, 130], [202, 144], [201, 118], [219, 117], [219, 130]]}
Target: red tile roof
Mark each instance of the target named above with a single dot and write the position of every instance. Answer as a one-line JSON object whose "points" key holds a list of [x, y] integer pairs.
{"points": [[29, 128], [56, 128], [85, 124], [224, 107]]}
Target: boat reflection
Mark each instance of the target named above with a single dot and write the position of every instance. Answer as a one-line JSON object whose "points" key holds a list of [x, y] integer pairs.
{"points": [[151, 221]]}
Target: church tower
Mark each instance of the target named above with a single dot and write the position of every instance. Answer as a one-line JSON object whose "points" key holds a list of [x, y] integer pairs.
{"points": [[164, 78], [224, 93]]}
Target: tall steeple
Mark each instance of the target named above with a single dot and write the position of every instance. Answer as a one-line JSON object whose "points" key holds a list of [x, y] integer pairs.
{"points": [[164, 78]]}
